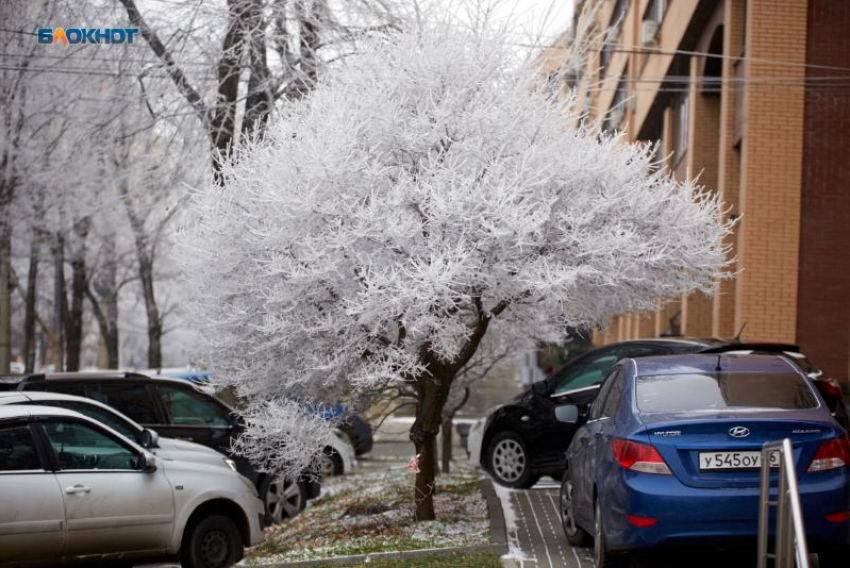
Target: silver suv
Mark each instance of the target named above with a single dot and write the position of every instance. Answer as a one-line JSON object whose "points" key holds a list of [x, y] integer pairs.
{"points": [[73, 489]]}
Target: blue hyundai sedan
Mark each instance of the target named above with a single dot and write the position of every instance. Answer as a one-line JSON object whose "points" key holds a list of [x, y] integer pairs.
{"points": [[671, 451]]}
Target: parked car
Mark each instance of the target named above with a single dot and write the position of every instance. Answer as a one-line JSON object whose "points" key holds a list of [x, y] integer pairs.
{"points": [[521, 441], [177, 409], [166, 448], [670, 454], [75, 490], [337, 458]]}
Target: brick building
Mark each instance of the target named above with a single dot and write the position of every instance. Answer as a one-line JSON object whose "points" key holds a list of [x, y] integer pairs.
{"points": [[752, 96]]}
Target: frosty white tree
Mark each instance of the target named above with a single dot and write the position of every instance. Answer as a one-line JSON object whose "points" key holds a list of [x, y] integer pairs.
{"points": [[425, 195]]}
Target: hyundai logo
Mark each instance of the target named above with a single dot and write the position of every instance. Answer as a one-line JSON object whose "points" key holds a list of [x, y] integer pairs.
{"points": [[739, 432]]}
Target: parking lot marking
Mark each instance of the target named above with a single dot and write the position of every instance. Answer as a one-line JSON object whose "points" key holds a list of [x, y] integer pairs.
{"points": [[540, 530]]}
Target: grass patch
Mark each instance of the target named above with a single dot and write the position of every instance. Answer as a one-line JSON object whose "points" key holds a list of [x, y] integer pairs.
{"points": [[372, 511]]}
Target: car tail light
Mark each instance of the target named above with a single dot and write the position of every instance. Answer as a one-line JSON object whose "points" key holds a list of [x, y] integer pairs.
{"points": [[641, 522], [640, 457], [841, 517], [833, 388], [831, 454]]}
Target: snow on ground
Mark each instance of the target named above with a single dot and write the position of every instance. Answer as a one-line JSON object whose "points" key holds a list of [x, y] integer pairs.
{"points": [[514, 550], [372, 511]]}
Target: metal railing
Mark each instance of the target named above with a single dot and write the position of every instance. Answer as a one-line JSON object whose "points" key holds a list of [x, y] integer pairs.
{"points": [[790, 534]]}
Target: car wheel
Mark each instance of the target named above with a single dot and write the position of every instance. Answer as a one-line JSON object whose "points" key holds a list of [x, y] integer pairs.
{"points": [[602, 556], [282, 497], [330, 463], [508, 462], [214, 542], [576, 536]]}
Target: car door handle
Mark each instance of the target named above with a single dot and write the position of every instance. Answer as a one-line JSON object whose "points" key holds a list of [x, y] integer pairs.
{"points": [[77, 489]]}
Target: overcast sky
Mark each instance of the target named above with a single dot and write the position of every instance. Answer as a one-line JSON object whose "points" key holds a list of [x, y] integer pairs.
{"points": [[524, 18]]}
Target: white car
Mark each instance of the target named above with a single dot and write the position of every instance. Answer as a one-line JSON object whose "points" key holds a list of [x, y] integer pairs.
{"points": [[338, 456], [73, 489], [166, 448]]}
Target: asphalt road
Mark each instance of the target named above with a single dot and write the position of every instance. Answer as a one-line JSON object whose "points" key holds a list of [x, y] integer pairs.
{"points": [[541, 542]]}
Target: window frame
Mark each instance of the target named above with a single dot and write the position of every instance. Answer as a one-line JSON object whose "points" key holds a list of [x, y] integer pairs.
{"points": [[159, 389], [53, 456], [136, 434], [37, 444], [158, 410]]}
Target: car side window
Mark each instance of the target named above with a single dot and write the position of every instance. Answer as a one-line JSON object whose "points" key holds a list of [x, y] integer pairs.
{"points": [[95, 413], [57, 386], [615, 394], [17, 449], [187, 407], [134, 400], [596, 411], [589, 372], [80, 446]]}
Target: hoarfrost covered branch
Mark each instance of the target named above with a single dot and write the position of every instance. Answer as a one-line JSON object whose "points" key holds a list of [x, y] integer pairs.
{"points": [[426, 194]]}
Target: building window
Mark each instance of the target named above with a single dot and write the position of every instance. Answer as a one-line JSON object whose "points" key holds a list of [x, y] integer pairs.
{"points": [[619, 15], [605, 55], [655, 11], [681, 114], [619, 105]]}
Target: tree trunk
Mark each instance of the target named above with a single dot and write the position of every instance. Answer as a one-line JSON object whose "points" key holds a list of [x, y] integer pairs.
{"points": [[154, 321], [30, 301], [78, 290], [5, 295], [433, 392], [446, 453], [106, 286], [60, 301]]}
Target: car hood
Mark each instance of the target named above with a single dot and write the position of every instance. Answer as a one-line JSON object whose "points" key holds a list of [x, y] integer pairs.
{"points": [[171, 450], [179, 470], [173, 444]]}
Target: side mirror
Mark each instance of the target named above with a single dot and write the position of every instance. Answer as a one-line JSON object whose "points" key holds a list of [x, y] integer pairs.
{"points": [[541, 388], [567, 413], [149, 463], [150, 439]]}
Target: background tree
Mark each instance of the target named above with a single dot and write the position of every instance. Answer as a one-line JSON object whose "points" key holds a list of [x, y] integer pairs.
{"points": [[429, 193]]}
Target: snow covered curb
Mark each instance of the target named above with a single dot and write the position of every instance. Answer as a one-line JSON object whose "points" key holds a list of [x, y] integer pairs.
{"points": [[514, 550], [497, 548]]}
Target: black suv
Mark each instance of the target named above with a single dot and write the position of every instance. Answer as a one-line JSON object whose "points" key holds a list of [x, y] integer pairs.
{"points": [[175, 408], [521, 441]]}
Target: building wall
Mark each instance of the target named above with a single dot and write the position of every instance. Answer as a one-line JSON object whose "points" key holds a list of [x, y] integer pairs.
{"points": [[774, 143], [823, 324]]}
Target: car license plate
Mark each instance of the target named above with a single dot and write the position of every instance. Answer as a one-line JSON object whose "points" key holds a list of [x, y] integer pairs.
{"points": [[734, 460]]}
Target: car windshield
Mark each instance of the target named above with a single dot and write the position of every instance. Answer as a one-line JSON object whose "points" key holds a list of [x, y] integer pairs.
{"points": [[705, 393]]}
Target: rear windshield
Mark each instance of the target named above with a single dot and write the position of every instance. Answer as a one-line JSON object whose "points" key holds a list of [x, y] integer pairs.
{"points": [[699, 392]]}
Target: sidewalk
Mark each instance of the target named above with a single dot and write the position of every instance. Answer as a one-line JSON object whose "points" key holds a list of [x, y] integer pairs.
{"points": [[535, 537]]}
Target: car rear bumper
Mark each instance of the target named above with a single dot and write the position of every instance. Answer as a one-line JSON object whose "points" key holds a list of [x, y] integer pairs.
{"points": [[716, 516]]}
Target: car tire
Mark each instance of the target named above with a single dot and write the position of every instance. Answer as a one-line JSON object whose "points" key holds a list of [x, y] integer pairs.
{"points": [[283, 498], [508, 461], [213, 542], [602, 555], [576, 535], [331, 463]]}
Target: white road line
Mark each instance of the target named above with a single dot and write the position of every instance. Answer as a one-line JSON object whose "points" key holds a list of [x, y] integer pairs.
{"points": [[555, 529], [542, 536]]}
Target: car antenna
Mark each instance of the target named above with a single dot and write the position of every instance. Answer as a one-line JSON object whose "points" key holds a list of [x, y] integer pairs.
{"points": [[737, 338], [717, 368]]}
